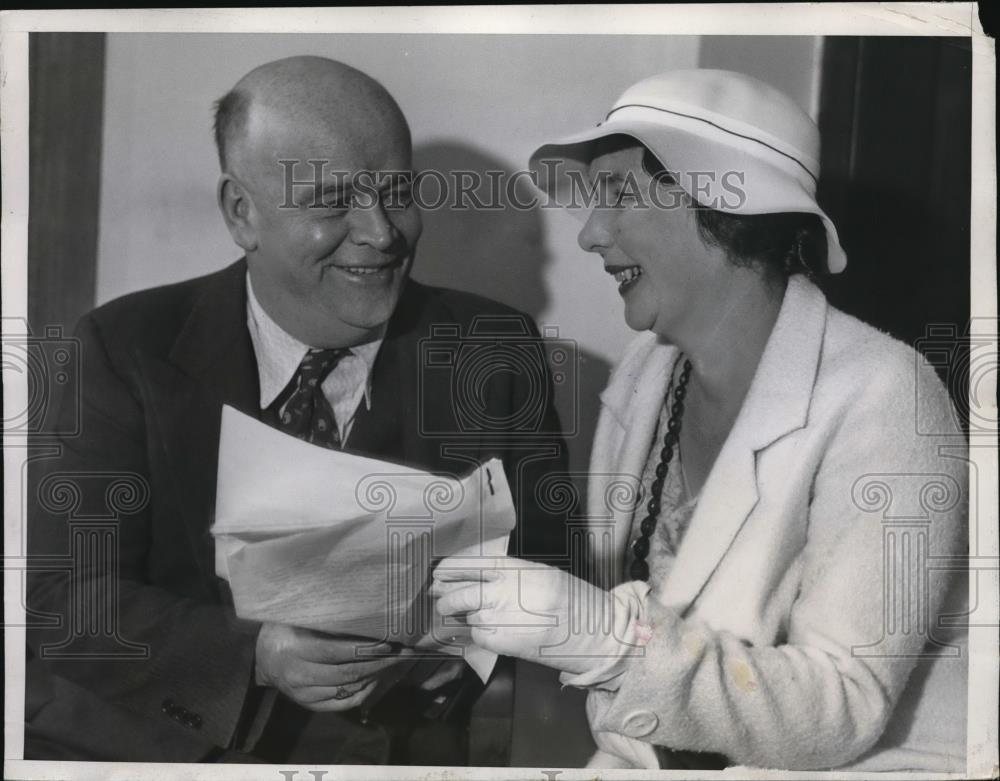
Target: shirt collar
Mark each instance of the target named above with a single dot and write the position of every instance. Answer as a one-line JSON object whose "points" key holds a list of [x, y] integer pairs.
{"points": [[367, 353], [279, 353]]}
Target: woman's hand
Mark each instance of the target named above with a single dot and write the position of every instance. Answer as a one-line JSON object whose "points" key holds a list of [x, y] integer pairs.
{"points": [[532, 611]]}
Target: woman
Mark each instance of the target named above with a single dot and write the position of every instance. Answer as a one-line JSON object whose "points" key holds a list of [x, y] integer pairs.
{"points": [[767, 601]]}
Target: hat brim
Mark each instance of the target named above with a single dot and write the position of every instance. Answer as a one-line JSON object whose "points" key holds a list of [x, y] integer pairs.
{"points": [[729, 173]]}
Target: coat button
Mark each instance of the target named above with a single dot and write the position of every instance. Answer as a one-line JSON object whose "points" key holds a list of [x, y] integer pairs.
{"points": [[640, 723], [169, 707]]}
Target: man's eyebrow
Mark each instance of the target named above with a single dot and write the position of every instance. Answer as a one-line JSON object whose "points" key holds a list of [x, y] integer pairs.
{"points": [[395, 179], [338, 187]]}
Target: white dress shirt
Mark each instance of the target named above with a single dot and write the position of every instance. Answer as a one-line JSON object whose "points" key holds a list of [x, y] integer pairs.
{"points": [[279, 355]]}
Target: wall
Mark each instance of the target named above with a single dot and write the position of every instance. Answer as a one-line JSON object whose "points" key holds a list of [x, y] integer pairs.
{"points": [[789, 62], [472, 101]]}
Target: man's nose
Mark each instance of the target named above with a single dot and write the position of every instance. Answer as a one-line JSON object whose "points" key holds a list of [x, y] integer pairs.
{"points": [[596, 233], [371, 225]]}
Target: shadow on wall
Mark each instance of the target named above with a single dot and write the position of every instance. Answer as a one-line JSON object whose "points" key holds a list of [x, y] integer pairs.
{"points": [[500, 252]]}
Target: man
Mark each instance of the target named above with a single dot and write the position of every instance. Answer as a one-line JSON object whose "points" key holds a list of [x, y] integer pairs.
{"points": [[317, 331]]}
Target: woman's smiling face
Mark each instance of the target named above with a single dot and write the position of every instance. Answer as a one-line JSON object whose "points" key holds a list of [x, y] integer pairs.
{"points": [[647, 234]]}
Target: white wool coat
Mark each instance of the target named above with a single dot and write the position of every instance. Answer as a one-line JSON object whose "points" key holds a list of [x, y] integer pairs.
{"points": [[798, 627]]}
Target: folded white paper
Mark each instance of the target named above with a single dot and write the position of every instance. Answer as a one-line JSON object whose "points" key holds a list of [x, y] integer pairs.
{"points": [[327, 540]]}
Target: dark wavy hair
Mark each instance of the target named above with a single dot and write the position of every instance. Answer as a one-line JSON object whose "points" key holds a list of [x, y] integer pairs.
{"points": [[780, 244]]}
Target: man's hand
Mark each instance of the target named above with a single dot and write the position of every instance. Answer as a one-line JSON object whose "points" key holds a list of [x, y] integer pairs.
{"points": [[318, 671]]}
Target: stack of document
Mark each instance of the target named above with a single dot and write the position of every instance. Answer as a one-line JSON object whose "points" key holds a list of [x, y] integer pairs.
{"points": [[326, 540]]}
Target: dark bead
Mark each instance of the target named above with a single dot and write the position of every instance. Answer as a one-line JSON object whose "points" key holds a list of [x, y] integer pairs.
{"points": [[667, 454], [670, 440], [648, 525], [640, 547], [653, 507], [661, 470], [639, 570]]}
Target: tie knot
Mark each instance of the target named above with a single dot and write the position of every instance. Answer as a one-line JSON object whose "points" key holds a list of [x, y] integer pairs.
{"points": [[317, 364]]}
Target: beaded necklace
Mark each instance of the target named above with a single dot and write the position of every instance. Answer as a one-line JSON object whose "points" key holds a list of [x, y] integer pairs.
{"points": [[639, 569]]}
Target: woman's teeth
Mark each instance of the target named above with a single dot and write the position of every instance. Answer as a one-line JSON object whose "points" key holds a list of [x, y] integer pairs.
{"points": [[628, 274], [363, 270]]}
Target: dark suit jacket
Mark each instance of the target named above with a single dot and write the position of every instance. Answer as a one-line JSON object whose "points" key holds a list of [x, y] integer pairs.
{"points": [[148, 660]]}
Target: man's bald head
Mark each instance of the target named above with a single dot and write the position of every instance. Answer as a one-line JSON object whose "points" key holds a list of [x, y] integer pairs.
{"points": [[323, 95]]}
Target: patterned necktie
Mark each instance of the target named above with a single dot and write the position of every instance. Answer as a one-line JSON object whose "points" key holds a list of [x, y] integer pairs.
{"points": [[307, 414]]}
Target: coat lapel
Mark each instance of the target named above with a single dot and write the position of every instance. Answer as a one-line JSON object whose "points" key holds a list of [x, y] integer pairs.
{"points": [[403, 396], [631, 405], [776, 404], [210, 364]]}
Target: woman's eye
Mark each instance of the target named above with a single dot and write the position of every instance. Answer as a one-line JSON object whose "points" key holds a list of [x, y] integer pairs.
{"points": [[624, 197]]}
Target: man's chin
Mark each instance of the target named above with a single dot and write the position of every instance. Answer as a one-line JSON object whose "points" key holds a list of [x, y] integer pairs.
{"points": [[366, 305], [368, 313]]}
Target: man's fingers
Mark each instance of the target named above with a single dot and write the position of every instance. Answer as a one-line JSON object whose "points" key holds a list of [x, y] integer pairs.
{"points": [[335, 701], [313, 694], [463, 600], [310, 674], [328, 649]]}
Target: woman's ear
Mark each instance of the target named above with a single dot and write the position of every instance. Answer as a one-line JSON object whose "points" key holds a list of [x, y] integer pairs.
{"points": [[238, 211]]}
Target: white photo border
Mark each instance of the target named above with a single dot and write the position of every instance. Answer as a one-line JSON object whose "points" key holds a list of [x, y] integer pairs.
{"points": [[889, 19]]}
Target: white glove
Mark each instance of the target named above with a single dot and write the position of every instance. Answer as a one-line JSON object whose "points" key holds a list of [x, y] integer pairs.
{"points": [[539, 613]]}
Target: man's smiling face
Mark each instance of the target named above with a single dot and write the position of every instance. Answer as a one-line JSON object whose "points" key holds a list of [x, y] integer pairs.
{"points": [[329, 267]]}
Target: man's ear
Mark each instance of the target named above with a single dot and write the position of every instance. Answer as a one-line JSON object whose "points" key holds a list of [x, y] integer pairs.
{"points": [[238, 211]]}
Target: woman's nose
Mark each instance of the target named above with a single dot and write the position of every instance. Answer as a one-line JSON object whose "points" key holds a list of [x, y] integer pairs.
{"points": [[595, 235]]}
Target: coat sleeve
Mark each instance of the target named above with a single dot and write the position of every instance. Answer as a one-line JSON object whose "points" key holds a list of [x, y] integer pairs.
{"points": [[185, 662], [535, 458], [825, 695]]}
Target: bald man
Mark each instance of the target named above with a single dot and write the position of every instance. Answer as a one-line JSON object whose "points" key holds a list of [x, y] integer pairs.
{"points": [[318, 331]]}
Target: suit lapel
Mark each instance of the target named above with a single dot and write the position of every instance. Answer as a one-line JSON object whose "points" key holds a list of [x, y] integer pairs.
{"points": [[392, 429], [210, 364], [776, 404]]}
